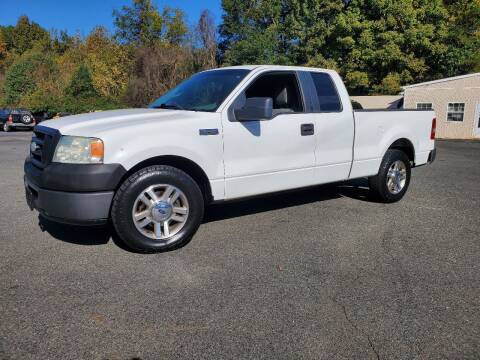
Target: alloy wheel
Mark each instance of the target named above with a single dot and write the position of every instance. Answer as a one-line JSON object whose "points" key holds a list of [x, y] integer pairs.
{"points": [[160, 211]]}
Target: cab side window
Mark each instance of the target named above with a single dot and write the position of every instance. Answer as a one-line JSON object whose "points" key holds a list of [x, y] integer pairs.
{"points": [[282, 88], [327, 93]]}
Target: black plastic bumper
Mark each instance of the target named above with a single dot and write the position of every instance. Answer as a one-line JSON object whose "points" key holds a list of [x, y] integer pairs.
{"points": [[69, 207], [72, 193], [432, 156], [75, 177]]}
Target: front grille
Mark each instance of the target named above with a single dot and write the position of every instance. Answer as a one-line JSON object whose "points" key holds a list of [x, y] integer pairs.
{"points": [[46, 140]]}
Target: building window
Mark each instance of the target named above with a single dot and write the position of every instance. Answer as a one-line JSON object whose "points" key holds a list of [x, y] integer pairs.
{"points": [[455, 111], [424, 106]]}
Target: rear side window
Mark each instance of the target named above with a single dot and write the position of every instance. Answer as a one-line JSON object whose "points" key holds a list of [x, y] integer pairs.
{"points": [[327, 93]]}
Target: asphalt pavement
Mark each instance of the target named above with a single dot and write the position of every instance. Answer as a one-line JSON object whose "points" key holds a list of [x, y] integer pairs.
{"points": [[322, 273]]}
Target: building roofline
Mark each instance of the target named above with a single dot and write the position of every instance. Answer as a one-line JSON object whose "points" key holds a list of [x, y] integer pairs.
{"points": [[441, 80]]}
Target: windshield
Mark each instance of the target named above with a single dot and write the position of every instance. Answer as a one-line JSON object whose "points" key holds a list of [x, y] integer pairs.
{"points": [[204, 91]]}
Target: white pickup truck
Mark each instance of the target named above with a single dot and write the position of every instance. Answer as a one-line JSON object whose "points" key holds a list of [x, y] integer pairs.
{"points": [[222, 134]]}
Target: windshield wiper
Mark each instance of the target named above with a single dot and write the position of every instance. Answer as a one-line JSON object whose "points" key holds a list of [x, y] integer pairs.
{"points": [[168, 106]]}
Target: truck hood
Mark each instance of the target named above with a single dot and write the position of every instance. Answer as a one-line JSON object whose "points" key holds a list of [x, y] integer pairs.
{"points": [[94, 124]]}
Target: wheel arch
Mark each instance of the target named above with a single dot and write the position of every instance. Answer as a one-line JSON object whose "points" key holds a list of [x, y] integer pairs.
{"points": [[186, 165], [405, 145]]}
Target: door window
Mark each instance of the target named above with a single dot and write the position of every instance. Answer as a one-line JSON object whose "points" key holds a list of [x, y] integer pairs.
{"points": [[326, 92], [282, 88]]}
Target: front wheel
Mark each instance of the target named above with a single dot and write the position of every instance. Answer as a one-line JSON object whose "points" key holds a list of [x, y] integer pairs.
{"points": [[391, 182], [157, 208]]}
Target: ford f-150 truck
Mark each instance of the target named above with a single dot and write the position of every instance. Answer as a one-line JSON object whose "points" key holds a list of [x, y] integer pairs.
{"points": [[222, 134]]}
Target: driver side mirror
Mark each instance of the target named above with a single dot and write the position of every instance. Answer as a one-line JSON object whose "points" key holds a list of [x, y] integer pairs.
{"points": [[257, 108]]}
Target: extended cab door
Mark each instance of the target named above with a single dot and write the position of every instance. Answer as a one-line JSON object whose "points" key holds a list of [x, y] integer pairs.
{"points": [[262, 156], [334, 125]]}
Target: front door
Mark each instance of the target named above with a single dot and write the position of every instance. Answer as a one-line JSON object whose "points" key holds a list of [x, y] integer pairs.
{"points": [[263, 156]]}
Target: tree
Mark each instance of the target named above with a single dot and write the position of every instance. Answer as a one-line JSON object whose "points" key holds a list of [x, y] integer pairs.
{"points": [[377, 45], [463, 41], [157, 69], [139, 24], [61, 41], [175, 26], [206, 34], [109, 62], [3, 47], [24, 75], [254, 32], [18, 81], [142, 24], [26, 34], [81, 84]]}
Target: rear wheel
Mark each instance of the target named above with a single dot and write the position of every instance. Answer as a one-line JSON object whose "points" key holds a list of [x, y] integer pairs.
{"points": [[157, 208], [392, 181]]}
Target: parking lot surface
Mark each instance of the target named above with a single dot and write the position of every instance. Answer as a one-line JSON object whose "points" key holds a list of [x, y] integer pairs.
{"points": [[322, 273]]}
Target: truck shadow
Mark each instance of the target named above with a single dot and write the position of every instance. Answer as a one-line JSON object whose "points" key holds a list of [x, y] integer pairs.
{"points": [[355, 189], [80, 235], [101, 235]]}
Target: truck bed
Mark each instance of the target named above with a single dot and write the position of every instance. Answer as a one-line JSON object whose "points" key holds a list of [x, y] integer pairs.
{"points": [[376, 130]]}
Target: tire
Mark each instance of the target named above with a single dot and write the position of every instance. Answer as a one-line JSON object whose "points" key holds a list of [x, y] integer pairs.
{"points": [[5, 127], [145, 192], [26, 119], [392, 181]]}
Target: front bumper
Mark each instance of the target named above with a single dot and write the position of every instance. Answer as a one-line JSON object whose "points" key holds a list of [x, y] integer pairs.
{"points": [[72, 193], [69, 207]]}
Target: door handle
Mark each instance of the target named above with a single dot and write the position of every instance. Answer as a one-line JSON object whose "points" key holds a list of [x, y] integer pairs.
{"points": [[307, 129]]}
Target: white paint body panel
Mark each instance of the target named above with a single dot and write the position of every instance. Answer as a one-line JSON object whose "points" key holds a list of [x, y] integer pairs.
{"points": [[134, 135], [257, 157], [265, 156], [334, 133], [376, 131]]}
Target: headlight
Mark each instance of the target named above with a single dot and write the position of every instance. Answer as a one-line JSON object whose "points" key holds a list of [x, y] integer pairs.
{"points": [[79, 150]]}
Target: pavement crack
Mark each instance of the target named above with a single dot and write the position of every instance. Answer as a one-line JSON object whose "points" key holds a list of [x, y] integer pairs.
{"points": [[352, 323]]}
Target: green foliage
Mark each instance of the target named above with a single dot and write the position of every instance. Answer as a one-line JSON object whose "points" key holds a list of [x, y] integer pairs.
{"points": [[76, 105], [109, 62], [23, 76], [25, 35], [376, 45], [151, 51], [18, 81], [81, 84], [253, 32], [142, 24]]}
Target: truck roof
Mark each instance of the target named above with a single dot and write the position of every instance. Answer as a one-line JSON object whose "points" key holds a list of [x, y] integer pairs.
{"points": [[277, 67]]}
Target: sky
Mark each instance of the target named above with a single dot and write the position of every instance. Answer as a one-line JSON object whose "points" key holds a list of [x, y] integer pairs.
{"points": [[83, 15]]}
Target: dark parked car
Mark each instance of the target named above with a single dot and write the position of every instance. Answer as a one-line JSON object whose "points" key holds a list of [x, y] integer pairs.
{"points": [[42, 116], [16, 118]]}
